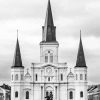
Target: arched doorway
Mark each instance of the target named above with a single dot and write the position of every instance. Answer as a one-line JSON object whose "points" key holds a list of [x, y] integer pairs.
{"points": [[49, 93]]}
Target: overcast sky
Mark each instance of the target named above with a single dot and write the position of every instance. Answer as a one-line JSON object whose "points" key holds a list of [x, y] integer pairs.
{"points": [[69, 17]]}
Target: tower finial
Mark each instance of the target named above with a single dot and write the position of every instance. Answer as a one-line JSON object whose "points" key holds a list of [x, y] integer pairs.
{"points": [[70, 69], [80, 34], [80, 31], [17, 33]]}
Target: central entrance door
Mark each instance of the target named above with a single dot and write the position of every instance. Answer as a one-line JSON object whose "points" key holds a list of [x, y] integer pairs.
{"points": [[49, 93]]}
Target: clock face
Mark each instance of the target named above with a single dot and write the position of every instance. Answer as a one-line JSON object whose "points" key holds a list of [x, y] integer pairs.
{"points": [[49, 70]]}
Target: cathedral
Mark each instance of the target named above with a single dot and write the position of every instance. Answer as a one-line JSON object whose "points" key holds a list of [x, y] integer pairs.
{"points": [[49, 79]]}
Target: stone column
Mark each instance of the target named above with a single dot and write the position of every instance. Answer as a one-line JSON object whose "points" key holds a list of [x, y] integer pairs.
{"points": [[4, 95], [44, 92], [56, 93], [41, 92]]}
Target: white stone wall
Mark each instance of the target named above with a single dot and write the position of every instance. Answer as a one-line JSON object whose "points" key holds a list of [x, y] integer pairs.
{"points": [[81, 84], [63, 91], [17, 85], [37, 92], [61, 88]]}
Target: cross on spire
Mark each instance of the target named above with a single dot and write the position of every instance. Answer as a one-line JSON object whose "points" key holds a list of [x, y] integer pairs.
{"points": [[17, 33], [70, 69]]}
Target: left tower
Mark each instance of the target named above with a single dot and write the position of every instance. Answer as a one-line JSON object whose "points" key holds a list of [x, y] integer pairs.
{"points": [[17, 75]]}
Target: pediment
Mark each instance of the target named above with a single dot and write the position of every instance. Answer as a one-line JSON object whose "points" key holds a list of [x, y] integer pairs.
{"points": [[49, 65]]}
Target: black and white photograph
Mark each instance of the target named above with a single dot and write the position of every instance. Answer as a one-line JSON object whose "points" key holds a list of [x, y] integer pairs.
{"points": [[49, 49]]}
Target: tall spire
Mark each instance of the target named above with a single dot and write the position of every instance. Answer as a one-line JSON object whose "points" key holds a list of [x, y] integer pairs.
{"points": [[17, 57], [80, 57], [49, 28], [49, 18]]}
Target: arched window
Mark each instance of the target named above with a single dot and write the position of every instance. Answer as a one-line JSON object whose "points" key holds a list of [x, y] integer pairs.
{"points": [[36, 77], [76, 77], [81, 94], [85, 77], [16, 77], [12, 77], [48, 78], [46, 58], [81, 77], [61, 77], [51, 58], [27, 94], [70, 95], [16, 94], [21, 76]]}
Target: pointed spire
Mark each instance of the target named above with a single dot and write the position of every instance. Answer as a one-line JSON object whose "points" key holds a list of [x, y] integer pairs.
{"points": [[49, 18], [17, 58], [17, 33], [49, 28], [80, 57]]}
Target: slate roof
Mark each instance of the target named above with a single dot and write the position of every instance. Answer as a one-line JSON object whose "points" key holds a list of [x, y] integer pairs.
{"points": [[80, 56], [17, 62]]}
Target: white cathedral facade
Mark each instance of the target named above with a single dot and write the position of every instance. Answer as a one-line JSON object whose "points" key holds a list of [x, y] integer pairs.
{"points": [[49, 79]]}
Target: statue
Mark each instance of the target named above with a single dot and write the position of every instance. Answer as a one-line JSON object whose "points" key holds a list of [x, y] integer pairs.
{"points": [[49, 96]]}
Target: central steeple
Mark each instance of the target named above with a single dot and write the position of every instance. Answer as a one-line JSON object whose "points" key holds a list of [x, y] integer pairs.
{"points": [[49, 45], [49, 34], [49, 18]]}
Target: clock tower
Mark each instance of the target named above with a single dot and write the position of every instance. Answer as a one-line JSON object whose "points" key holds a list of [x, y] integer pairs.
{"points": [[49, 45]]}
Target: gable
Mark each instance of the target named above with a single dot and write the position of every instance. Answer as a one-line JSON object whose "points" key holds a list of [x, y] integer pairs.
{"points": [[49, 65]]}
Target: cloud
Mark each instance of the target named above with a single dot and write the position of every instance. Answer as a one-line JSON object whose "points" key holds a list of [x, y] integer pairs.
{"points": [[13, 9], [69, 17]]}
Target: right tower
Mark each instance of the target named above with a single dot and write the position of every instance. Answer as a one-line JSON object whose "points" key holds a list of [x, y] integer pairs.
{"points": [[80, 74]]}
